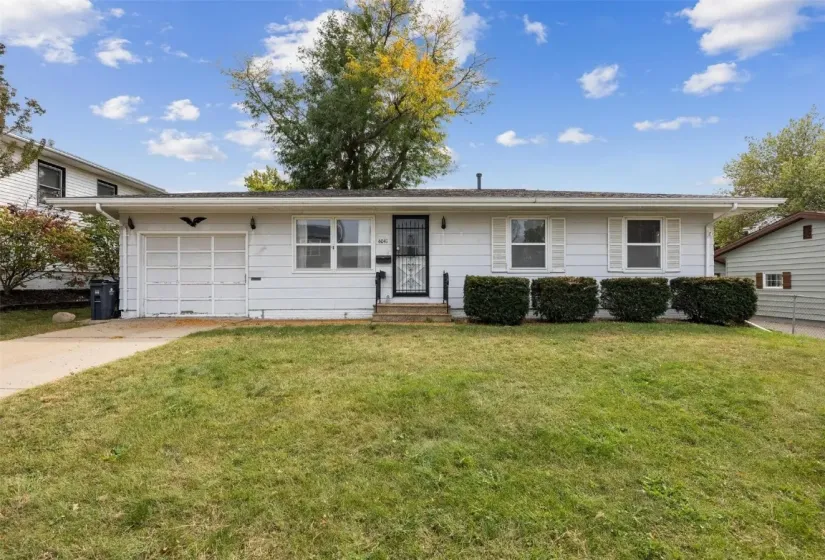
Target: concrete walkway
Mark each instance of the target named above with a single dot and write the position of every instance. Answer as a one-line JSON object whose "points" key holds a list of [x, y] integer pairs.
{"points": [[34, 360], [815, 329]]}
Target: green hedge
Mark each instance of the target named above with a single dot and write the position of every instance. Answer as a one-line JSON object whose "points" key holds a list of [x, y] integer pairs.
{"points": [[499, 300], [565, 299], [635, 299], [716, 301]]}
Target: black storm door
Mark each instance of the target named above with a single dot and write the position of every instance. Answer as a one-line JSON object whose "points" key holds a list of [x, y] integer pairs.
{"points": [[411, 255]]}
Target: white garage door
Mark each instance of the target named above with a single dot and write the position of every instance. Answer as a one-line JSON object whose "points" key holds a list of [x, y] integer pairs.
{"points": [[194, 275]]}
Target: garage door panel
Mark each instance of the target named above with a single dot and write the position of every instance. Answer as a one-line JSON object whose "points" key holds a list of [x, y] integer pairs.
{"points": [[161, 259], [196, 259], [195, 274], [162, 275], [232, 291], [162, 243], [167, 291], [196, 243], [184, 276], [195, 307], [230, 275], [155, 307], [196, 291], [229, 307], [229, 259], [230, 243]]}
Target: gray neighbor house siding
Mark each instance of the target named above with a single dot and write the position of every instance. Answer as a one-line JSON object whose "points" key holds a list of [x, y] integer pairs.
{"points": [[786, 250]]}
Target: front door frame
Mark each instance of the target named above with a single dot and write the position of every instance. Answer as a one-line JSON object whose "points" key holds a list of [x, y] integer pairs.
{"points": [[426, 219]]}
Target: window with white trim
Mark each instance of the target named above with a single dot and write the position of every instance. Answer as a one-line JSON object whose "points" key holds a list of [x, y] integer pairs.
{"points": [[51, 180], [106, 189], [773, 281], [528, 243], [333, 244], [643, 243]]}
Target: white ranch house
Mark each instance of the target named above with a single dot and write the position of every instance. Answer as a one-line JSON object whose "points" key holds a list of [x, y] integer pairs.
{"points": [[325, 254]]}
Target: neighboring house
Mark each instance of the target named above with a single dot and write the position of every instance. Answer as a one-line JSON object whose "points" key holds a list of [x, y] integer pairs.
{"points": [[59, 174], [316, 254], [719, 267], [785, 259]]}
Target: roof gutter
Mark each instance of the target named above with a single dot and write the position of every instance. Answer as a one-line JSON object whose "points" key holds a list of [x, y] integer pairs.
{"points": [[710, 267], [103, 213]]}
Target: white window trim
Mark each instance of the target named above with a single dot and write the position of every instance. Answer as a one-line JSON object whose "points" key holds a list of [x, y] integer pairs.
{"points": [[510, 267], [333, 244], [662, 245], [765, 281]]}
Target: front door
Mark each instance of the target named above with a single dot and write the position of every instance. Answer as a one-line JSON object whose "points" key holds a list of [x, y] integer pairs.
{"points": [[411, 255]]}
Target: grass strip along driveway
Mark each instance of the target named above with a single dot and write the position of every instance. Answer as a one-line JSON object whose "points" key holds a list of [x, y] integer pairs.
{"points": [[600, 440], [17, 324]]}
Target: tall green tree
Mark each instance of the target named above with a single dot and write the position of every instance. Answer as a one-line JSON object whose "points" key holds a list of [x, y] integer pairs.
{"points": [[266, 180], [790, 164], [371, 108], [15, 118]]}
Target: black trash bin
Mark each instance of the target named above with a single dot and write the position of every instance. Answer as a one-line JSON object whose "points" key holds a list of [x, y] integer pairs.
{"points": [[105, 299]]}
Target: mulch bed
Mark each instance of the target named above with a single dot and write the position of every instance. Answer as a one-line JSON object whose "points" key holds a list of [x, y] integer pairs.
{"points": [[44, 299]]}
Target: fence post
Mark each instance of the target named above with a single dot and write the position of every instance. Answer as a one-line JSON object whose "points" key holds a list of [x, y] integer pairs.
{"points": [[793, 321]]}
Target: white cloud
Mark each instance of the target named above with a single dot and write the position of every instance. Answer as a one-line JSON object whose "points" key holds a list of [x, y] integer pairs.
{"points": [[510, 139], [535, 28], [117, 12], [47, 26], [112, 51], [181, 110], [168, 50], [575, 136], [284, 45], [720, 181], [116, 108], [675, 124], [748, 27], [715, 79], [602, 81], [173, 143], [470, 25], [143, 120], [249, 136]]}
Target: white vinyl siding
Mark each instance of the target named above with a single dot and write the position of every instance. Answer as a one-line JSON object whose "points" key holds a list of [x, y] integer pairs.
{"points": [[785, 250], [465, 247]]}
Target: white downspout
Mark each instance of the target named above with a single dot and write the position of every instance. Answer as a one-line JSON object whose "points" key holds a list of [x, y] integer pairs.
{"points": [[709, 266], [124, 269]]}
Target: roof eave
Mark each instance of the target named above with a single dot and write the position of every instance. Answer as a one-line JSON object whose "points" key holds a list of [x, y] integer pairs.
{"points": [[228, 204]]}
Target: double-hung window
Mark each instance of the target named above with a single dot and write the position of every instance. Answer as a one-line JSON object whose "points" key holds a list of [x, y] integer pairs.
{"points": [[51, 180], [106, 189], [773, 281], [528, 243], [644, 243], [333, 244]]}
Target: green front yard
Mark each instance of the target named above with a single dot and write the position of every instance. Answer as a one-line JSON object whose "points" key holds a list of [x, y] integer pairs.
{"points": [[16, 324], [599, 440]]}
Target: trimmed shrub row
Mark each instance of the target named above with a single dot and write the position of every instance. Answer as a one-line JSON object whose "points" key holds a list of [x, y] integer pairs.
{"points": [[503, 300]]}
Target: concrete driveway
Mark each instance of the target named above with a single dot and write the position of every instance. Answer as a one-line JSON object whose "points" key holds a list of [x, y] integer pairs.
{"points": [[34, 360]]}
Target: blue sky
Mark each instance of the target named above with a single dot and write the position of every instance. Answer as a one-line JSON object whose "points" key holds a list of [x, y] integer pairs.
{"points": [[642, 96]]}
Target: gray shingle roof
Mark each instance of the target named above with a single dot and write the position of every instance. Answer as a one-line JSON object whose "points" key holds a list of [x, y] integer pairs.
{"points": [[419, 193]]}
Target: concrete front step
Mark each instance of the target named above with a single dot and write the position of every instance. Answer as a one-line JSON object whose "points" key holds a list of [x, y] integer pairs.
{"points": [[410, 318], [412, 309]]}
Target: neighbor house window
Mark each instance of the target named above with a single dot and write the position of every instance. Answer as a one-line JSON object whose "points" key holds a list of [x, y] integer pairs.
{"points": [[528, 243], [106, 189], [51, 180], [333, 244], [644, 243], [773, 281]]}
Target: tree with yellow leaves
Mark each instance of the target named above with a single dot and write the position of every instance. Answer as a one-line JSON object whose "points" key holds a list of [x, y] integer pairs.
{"points": [[370, 111]]}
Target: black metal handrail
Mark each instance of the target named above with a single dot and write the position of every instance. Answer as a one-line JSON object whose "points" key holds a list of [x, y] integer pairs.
{"points": [[378, 276], [446, 286]]}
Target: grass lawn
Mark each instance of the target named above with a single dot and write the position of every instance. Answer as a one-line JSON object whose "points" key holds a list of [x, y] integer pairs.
{"points": [[16, 324], [600, 440]]}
